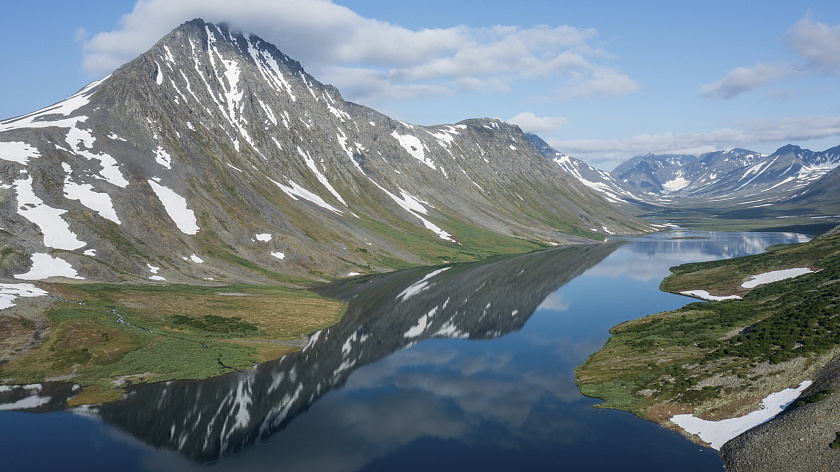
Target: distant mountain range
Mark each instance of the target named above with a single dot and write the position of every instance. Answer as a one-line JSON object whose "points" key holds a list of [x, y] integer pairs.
{"points": [[215, 157], [791, 178]]}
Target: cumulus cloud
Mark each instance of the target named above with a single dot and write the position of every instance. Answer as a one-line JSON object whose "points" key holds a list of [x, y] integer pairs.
{"points": [[531, 123], [746, 134], [744, 79], [816, 43], [376, 60]]}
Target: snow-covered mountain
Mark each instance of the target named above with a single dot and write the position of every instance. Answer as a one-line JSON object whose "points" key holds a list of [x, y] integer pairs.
{"points": [[213, 156], [656, 173], [608, 185], [778, 176], [734, 173]]}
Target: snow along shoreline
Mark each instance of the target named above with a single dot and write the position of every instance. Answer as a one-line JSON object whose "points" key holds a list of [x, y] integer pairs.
{"points": [[716, 433], [755, 281]]}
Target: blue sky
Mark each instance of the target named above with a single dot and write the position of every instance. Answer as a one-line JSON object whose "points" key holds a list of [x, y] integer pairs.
{"points": [[601, 80]]}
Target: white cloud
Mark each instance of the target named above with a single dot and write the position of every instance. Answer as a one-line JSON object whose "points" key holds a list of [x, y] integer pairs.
{"points": [[817, 43], [554, 302], [531, 123], [744, 134], [375, 60], [606, 82], [744, 79], [80, 35]]}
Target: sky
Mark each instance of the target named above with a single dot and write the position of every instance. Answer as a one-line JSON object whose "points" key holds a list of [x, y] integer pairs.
{"points": [[601, 80]]}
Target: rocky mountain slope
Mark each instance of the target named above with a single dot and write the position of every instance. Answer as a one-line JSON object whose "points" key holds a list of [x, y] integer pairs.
{"points": [[656, 173], [612, 188], [213, 156]]}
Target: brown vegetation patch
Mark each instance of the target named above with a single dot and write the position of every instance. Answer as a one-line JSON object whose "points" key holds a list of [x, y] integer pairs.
{"points": [[74, 344], [663, 412]]}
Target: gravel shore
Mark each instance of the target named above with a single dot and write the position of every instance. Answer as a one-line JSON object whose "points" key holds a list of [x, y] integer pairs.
{"points": [[796, 440]]}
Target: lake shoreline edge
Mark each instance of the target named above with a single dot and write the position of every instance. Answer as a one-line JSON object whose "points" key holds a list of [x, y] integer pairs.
{"points": [[713, 396]]}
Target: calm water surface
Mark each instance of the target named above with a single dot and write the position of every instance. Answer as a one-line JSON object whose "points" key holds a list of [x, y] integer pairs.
{"points": [[455, 368]]}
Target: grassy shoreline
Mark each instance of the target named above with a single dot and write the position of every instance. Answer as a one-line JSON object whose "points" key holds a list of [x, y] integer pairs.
{"points": [[717, 360], [173, 332]]}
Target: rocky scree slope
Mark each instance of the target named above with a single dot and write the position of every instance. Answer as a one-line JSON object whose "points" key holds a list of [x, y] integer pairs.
{"points": [[213, 156]]}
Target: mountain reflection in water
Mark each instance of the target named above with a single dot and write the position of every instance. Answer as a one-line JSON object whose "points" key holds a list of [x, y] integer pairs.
{"points": [[367, 395], [208, 419]]}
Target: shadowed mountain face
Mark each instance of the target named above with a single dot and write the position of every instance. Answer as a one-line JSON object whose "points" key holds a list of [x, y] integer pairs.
{"points": [[215, 156], [209, 419]]}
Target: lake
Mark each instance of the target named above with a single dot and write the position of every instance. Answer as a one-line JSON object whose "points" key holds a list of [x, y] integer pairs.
{"points": [[463, 367]]}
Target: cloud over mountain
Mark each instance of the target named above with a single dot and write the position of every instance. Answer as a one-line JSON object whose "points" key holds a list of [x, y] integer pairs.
{"points": [[373, 60]]}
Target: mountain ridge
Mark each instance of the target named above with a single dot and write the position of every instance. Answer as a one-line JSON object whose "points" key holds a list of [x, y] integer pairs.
{"points": [[735, 184], [215, 157]]}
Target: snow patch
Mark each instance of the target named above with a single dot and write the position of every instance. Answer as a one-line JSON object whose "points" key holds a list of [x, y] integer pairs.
{"points": [[176, 206], [419, 286], [10, 292], [265, 237], [96, 201], [321, 177], [775, 276], [163, 158], [414, 147], [716, 433], [81, 141], [57, 233], [297, 192], [707, 296], [677, 183], [16, 151], [414, 206], [193, 258], [279, 255], [421, 325], [45, 266], [39, 118]]}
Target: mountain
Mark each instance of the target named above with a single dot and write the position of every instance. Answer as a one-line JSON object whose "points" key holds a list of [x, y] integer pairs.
{"points": [[734, 172], [610, 187], [655, 173], [214, 156], [775, 177]]}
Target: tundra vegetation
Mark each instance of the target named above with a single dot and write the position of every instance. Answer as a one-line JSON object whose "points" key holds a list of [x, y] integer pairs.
{"points": [[104, 337], [719, 359]]}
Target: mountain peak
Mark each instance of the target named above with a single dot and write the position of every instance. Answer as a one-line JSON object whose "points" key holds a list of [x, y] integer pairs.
{"points": [[214, 156]]}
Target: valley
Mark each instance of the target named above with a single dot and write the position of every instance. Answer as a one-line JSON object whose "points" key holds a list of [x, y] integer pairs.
{"points": [[212, 226], [719, 359]]}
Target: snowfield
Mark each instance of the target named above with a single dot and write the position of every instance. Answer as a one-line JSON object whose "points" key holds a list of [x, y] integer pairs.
{"points": [[45, 266], [716, 433], [10, 292], [775, 276], [176, 206], [707, 296]]}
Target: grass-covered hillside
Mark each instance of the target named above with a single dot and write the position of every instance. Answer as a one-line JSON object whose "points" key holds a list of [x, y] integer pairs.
{"points": [[719, 359]]}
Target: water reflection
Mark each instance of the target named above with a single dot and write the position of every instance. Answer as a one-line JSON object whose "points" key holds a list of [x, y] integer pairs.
{"points": [[447, 402], [218, 417]]}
